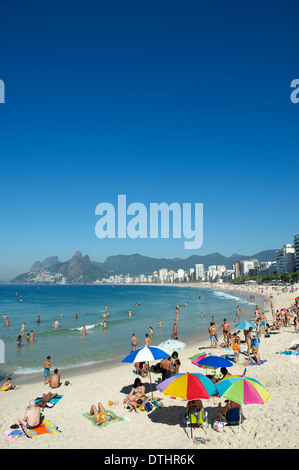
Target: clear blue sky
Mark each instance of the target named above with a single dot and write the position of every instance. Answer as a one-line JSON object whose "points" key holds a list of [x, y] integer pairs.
{"points": [[164, 101]]}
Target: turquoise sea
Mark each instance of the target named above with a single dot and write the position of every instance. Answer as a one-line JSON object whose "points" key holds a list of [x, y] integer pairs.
{"points": [[69, 348]]}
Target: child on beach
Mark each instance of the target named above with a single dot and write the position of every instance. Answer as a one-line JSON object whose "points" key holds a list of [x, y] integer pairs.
{"points": [[236, 348]]}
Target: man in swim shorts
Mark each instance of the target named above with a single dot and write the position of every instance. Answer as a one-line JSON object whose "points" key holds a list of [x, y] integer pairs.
{"points": [[47, 367], [213, 335], [134, 342]]}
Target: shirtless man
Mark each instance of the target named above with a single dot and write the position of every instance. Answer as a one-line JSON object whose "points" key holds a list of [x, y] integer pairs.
{"points": [[213, 335], [47, 367], [166, 368], [46, 398], [32, 418], [134, 342], [147, 340], [31, 336], [55, 379], [226, 329]]}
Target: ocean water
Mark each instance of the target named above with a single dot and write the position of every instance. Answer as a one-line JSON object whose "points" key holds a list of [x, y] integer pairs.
{"points": [[69, 348]]}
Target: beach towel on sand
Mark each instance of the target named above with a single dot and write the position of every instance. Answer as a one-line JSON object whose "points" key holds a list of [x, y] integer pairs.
{"points": [[116, 418], [13, 435], [52, 402], [44, 428]]}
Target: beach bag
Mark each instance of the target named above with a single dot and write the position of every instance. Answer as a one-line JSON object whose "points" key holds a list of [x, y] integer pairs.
{"points": [[218, 426], [148, 406]]}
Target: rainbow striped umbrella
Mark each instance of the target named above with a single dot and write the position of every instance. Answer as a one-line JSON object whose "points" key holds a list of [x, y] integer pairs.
{"points": [[198, 357], [187, 386], [243, 390]]}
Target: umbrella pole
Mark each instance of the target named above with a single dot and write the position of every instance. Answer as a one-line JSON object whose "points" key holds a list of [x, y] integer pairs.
{"points": [[150, 380], [191, 425]]}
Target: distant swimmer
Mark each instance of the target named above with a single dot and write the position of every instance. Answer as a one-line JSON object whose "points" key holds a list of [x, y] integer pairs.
{"points": [[7, 322], [137, 304], [130, 313], [151, 331], [27, 338], [56, 324], [61, 314], [76, 316], [83, 330], [19, 341], [201, 315], [21, 299], [31, 336], [38, 319], [23, 327], [160, 323], [4, 316]]}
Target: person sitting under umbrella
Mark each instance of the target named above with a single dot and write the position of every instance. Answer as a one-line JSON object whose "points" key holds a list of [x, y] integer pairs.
{"points": [[194, 405], [137, 395], [221, 414]]}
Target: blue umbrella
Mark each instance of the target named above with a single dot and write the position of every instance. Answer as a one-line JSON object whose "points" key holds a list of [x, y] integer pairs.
{"points": [[244, 325], [214, 362]]}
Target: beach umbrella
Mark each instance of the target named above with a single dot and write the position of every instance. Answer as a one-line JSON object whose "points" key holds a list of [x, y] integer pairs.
{"points": [[197, 358], [188, 386], [202, 355], [244, 325], [242, 390], [146, 354], [171, 345], [213, 362]]}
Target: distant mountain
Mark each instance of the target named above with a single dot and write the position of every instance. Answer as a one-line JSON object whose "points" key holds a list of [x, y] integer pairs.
{"points": [[38, 265], [137, 264], [82, 270]]}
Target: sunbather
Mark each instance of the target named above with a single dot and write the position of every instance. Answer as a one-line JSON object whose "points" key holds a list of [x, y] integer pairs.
{"points": [[46, 398], [137, 395], [100, 415], [32, 418]]}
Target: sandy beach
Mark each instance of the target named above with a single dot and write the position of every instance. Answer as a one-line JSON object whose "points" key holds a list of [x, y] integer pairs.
{"points": [[272, 425]]}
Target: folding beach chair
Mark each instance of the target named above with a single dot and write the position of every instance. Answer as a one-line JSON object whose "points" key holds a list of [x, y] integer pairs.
{"points": [[196, 418], [234, 417]]}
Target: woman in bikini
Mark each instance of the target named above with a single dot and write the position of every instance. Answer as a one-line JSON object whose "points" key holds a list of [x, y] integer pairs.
{"points": [[137, 395], [100, 415]]}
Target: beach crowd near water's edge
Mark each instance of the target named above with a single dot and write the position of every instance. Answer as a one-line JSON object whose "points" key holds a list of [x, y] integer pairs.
{"points": [[272, 425]]}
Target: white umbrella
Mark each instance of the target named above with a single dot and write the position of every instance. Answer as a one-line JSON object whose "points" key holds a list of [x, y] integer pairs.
{"points": [[146, 354], [171, 345]]}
